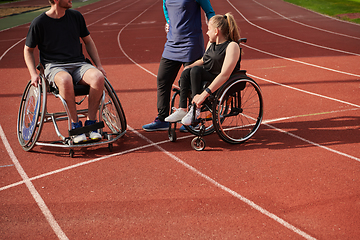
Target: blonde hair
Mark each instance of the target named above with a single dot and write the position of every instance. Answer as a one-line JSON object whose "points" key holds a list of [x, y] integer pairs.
{"points": [[227, 26]]}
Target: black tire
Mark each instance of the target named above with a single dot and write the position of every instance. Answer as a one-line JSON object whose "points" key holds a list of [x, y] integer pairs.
{"points": [[198, 144], [238, 110], [113, 113], [31, 115]]}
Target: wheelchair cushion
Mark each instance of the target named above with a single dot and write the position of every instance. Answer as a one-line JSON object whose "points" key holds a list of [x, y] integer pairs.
{"points": [[80, 90]]}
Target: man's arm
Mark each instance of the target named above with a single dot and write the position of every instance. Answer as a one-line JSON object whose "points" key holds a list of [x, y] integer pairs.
{"points": [[30, 63], [93, 53]]}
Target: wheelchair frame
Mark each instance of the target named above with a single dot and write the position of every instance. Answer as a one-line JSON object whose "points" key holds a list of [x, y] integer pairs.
{"points": [[234, 111], [33, 114]]}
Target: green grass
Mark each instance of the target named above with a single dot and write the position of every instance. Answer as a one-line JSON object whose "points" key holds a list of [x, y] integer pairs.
{"points": [[331, 7], [23, 18]]}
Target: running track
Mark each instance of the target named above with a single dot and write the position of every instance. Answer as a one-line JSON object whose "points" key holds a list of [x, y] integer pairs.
{"points": [[297, 178]]}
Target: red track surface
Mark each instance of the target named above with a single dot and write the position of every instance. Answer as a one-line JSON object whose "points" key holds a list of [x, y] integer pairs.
{"points": [[298, 177]]}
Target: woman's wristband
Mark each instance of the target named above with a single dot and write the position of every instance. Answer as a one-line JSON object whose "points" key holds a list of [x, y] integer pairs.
{"points": [[208, 91]]}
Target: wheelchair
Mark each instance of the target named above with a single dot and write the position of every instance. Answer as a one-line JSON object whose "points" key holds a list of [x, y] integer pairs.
{"points": [[234, 111], [33, 113]]}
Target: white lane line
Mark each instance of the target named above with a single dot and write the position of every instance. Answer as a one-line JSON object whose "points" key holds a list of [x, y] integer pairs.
{"points": [[307, 115], [2, 56], [297, 61], [228, 190], [304, 91], [313, 143], [160, 143], [290, 38], [38, 199], [123, 51], [306, 25], [4, 166], [115, 12]]}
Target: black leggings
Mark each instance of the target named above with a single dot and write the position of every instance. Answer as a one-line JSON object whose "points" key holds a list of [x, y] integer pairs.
{"points": [[192, 79], [168, 70]]}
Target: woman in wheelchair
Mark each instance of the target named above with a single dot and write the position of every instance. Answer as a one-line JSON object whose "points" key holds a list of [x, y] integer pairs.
{"points": [[221, 59]]}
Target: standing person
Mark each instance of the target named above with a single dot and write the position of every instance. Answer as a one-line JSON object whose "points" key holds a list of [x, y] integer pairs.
{"points": [[57, 34], [184, 45], [220, 60]]}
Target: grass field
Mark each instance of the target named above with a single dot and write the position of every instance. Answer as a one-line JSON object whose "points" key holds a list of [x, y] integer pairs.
{"points": [[348, 10]]}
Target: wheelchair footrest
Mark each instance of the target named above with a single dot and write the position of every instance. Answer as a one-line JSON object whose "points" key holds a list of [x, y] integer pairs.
{"points": [[86, 129]]}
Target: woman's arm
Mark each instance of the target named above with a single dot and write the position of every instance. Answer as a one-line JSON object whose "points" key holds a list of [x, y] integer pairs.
{"points": [[231, 58]]}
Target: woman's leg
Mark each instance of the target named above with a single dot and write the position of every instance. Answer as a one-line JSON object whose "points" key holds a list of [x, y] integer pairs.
{"points": [[198, 75]]}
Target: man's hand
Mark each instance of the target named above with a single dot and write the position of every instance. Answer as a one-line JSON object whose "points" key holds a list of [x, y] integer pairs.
{"points": [[35, 80]]}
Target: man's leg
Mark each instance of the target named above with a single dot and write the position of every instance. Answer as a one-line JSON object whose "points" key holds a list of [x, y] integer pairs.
{"points": [[64, 83], [95, 79]]}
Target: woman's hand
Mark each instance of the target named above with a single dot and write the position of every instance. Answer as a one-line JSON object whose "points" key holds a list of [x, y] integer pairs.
{"points": [[198, 99]]}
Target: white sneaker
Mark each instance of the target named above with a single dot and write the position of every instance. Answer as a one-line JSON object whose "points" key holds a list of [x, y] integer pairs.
{"points": [[79, 138], [188, 117], [176, 116], [95, 135]]}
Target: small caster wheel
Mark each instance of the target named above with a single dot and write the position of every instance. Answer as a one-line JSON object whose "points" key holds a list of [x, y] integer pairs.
{"points": [[172, 133], [110, 146], [198, 144], [71, 153]]}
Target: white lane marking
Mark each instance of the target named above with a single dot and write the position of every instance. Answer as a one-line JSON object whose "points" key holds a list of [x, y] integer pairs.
{"points": [[158, 143], [301, 62], [228, 190], [304, 91], [306, 25], [290, 38], [34, 193], [123, 51]]}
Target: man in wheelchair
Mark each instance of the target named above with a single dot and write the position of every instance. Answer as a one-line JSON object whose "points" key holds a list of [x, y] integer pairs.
{"points": [[221, 58], [57, 34]]}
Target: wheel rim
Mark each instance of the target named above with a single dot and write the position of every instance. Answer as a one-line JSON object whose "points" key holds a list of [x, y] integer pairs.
{"points": [[239, 113]]}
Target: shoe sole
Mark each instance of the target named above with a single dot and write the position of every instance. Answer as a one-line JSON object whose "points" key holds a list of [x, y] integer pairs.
{"points": [[154, 130]]}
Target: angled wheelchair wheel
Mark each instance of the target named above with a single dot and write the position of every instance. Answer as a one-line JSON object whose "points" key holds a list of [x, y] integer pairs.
{"points": [[238, 111], [113, 113], [31, 115]]}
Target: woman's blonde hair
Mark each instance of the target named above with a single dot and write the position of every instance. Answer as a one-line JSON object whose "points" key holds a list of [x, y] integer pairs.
{"points": [[227, 25]]}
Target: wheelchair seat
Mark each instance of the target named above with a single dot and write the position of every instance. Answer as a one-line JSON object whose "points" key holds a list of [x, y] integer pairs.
{"points": [[79, 90]]}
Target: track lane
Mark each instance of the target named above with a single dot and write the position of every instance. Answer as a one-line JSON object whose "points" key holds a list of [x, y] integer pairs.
{"points": [[139, 215]]}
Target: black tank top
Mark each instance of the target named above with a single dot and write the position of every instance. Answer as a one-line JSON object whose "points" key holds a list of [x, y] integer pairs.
{"points": [[214, 58]]}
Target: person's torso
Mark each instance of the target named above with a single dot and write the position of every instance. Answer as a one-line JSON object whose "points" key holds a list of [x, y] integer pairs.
{"points": [[59, 39], [185, 40]]}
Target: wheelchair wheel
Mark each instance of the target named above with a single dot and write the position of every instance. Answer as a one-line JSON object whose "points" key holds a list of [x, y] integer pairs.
{"points": [[207, 116], [113, 113], [31, 115], [198, 144], [238, 111]]}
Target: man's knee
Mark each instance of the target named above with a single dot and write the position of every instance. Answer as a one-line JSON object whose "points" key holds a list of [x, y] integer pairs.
{"points": [[94, 78], [63, 80]]}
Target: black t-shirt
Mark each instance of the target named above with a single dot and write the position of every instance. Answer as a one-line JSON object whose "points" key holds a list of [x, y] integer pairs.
{"points": [[58, 39], [214, 58]]}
